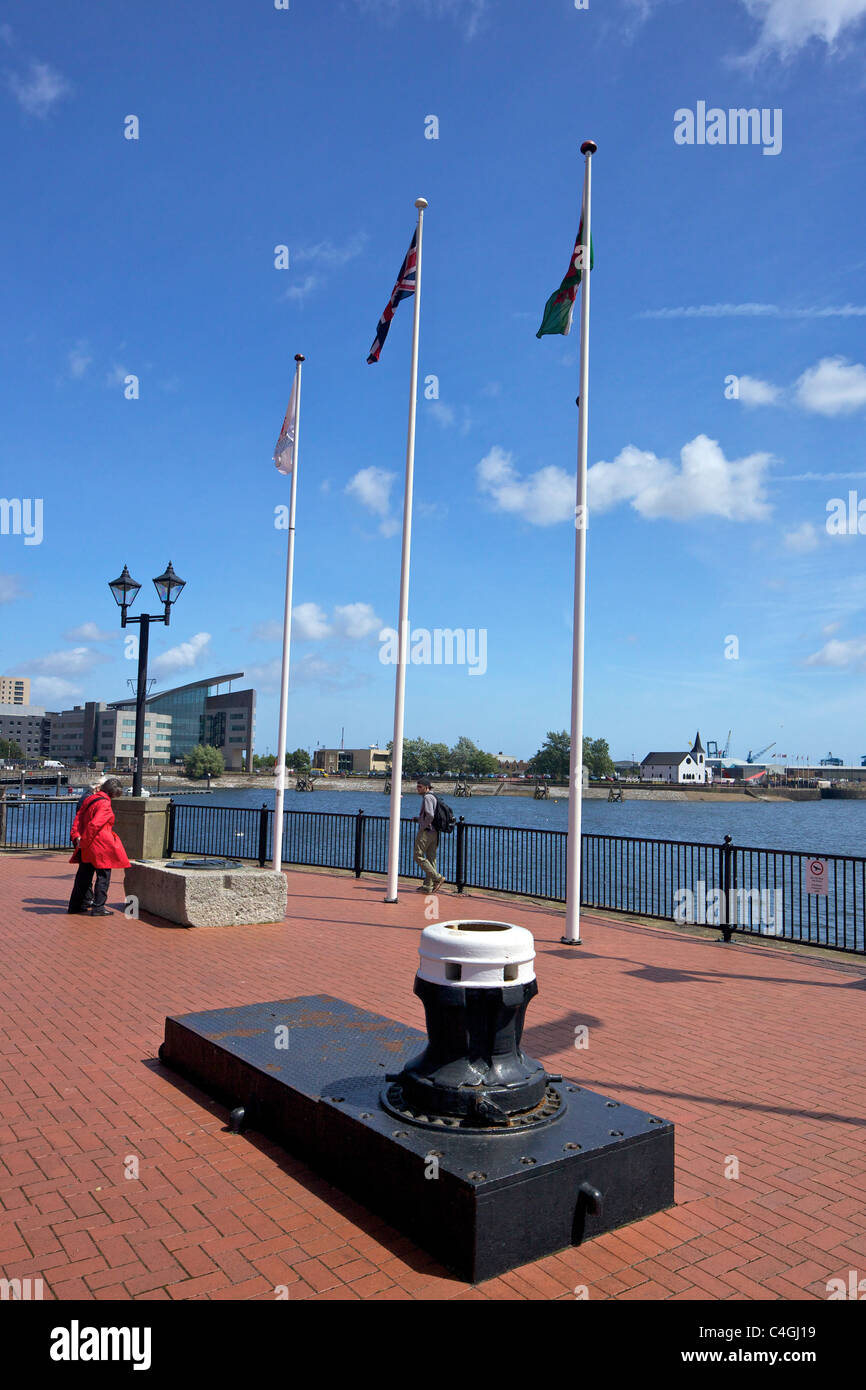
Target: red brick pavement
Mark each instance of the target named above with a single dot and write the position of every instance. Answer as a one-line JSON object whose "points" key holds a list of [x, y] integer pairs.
{"points": [[756, 1054]]}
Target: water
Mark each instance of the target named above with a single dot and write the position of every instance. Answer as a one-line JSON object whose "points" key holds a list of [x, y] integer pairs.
{"points": [[815, 827], [675, 846]]}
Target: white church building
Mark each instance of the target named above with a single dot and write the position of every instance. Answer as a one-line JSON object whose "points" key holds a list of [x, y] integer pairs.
{"points": [[686, 767]]}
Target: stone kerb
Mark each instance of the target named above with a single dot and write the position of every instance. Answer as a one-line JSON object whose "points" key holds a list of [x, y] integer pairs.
{"points": [[208, 897]]}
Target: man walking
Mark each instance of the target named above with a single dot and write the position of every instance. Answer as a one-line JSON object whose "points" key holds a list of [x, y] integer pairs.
{"points": [[427, 839]]}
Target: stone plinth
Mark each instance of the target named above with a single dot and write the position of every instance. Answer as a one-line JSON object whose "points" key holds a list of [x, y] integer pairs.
{"points": [[142, 825], [208, 897]]}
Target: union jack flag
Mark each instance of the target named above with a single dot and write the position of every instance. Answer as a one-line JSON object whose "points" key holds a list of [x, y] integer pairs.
{"points": [[404, 287]]}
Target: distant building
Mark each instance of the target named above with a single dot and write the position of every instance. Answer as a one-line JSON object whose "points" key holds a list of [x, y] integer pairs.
{"points": [[509, 764], [359, 761], [26, 725], [689, 766], [198, 713], [94, 732], [174, 722], [14, 690]]}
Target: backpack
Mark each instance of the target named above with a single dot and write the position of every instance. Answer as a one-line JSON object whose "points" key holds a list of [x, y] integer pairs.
{"points": [[443, 818]]}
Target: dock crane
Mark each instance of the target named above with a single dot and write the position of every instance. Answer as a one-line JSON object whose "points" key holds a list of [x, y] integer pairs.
{"points": [[753, 757], [713, 748]]}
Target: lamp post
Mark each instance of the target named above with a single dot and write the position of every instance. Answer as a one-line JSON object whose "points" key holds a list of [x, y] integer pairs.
{"points": [[125, 591]]}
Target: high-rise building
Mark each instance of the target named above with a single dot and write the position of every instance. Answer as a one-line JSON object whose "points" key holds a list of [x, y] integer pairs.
{"points": [[14, 690]]}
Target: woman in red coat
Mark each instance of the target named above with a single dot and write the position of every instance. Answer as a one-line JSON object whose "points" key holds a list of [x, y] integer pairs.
{"points": [[98, 850]]}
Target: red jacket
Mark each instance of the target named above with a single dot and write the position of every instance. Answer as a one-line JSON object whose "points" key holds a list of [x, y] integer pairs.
{"points": [[99, 846]]}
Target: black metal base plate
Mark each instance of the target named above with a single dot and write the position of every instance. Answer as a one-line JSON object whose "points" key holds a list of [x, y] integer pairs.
{"points": [[309, 1072]]}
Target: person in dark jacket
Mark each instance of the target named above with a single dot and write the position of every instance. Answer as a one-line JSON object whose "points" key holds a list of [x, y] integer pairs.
{"points": [[98, 850]]}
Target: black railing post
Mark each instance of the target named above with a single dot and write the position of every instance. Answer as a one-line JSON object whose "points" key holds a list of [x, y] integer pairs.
{"points": [[359, 843], [169, 844], [2, 815], [725, 912], [460, 866], [263, 835]]}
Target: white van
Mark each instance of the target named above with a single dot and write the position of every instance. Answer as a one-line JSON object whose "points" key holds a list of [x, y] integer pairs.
{"points": [[48, 763]]}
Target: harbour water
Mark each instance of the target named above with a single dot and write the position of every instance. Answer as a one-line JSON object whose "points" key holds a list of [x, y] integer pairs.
{"points": [[818, 827]]}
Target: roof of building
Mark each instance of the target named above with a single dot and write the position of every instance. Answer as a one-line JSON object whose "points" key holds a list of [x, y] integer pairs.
{"points": [[191, 685], [671, 759]]}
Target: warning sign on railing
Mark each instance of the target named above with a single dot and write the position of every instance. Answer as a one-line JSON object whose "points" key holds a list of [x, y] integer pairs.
{"points": [[816, 877]]}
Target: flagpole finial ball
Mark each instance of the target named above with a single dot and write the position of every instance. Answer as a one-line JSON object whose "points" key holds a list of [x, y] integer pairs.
{"points": [[421, 203], [299, 357], [588, 147]]}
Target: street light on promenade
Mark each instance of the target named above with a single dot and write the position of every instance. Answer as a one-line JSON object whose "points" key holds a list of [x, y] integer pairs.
{"points": [[125, 591]]}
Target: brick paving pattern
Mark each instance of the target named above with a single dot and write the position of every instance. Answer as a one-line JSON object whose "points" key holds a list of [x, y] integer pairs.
{"points": [[756, 1054]]}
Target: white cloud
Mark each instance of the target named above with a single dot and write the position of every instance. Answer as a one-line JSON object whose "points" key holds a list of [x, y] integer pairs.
{"points": [[10, 588], [730, 311], [789, 25], [38, 92], [492, 389], [323, 256], [351, 622], [815, 477], [752, 391], [309, 622], [839, 655], [327, 254], [310, 670], [372, 488], [834, 386], [802, 539], [184, 656], [89, 632], [306, 286], [47, 690], [73, 662], [443, 414], [356, 620], [830, 628], [469, 13], [6, 34], [542, 498], [707, 484], [78, 360], [117, 376]]}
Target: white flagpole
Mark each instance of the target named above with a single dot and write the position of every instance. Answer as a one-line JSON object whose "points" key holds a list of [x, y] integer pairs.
{"points": [[287, 633], [403, 626], [581, 520]]}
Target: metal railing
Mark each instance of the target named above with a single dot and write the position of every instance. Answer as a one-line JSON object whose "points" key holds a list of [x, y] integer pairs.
{"points": [[766, 892], [32, 823]]}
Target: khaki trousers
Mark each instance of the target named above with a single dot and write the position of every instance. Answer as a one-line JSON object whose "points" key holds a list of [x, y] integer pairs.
{"points": [[426, 843]]}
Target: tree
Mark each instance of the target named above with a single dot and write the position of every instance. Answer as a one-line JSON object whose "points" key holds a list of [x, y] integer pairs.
{"points": [[204, 761], [10, 749], [467, 757], [553, 757], [596, 755], [440, 758], [299, 760]]}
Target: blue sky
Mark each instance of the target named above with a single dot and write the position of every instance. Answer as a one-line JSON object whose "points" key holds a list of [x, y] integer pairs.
{"points": [[305, 127]]}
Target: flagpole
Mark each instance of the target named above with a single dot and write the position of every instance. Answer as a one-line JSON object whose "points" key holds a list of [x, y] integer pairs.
{"points": [[581, 520], [403, 624], [287, 633]]}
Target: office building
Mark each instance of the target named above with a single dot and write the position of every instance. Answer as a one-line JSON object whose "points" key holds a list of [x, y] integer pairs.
{"points": [[14, 690]]}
